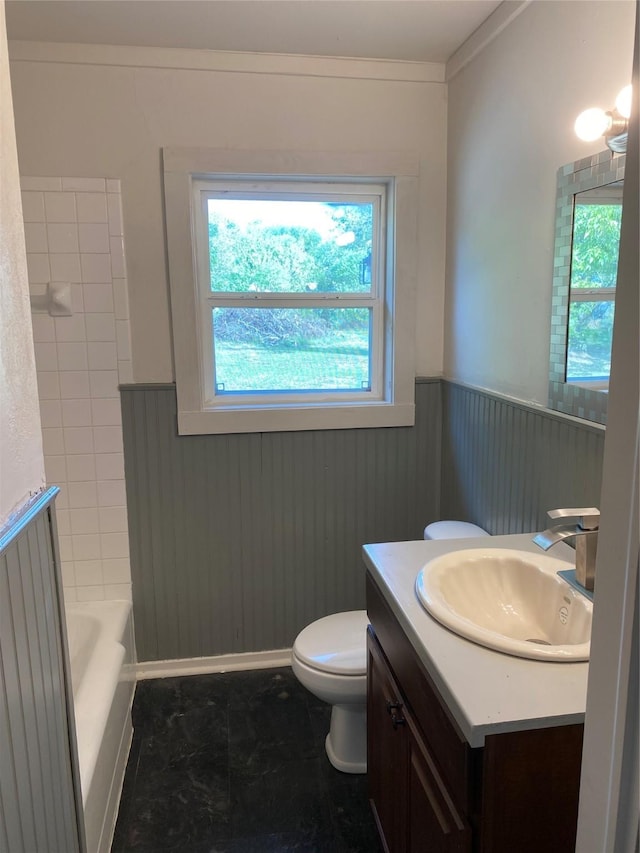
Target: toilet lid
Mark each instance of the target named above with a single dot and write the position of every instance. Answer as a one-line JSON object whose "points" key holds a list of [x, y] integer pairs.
{"points": [[336, 643]]}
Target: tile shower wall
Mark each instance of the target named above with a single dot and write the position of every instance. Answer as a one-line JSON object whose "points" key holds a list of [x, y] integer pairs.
{"points": [[73, 229]]}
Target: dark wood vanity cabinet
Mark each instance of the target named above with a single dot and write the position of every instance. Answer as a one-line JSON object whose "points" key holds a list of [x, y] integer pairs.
{"points": [[431, 792]]}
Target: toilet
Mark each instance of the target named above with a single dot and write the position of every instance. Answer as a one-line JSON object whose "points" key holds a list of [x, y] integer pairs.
{"points": [[329, 658]]}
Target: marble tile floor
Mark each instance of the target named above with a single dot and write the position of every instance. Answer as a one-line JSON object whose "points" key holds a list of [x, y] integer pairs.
{"points": [[235, 763]]}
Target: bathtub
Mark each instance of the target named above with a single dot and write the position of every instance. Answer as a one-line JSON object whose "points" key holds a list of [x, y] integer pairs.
{"points": [[101, 653]]}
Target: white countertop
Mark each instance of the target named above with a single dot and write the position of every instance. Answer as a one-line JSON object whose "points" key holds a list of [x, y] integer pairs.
{"points": [[487, 692]]}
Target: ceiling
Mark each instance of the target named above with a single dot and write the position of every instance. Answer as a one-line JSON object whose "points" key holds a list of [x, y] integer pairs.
{"points": [[418, 30]]}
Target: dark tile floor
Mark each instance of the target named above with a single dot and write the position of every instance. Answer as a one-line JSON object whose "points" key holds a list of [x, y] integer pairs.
{"points": [[235, 763]]}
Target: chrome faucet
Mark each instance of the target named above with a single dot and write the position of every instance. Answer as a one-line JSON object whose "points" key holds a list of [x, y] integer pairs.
{"points": [[586, 533]]}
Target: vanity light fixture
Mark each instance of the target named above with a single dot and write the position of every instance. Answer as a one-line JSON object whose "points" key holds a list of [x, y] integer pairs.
{"points": [[613, 125]]}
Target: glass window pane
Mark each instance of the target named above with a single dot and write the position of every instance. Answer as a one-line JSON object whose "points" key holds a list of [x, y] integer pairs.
{"points": [[596, 243], [281, 350], [283, 246], [589, 342]]}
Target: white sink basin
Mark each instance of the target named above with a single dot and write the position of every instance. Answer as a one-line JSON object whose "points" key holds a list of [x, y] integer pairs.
{"points": [[511, 601]]}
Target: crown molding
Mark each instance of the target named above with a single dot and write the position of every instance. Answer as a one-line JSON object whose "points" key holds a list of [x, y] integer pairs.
{"points": [[226, 61], [497, 21]]}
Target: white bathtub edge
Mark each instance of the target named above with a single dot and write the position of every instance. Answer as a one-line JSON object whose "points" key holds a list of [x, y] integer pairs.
{"points": [[102, 709], [216, 663]]}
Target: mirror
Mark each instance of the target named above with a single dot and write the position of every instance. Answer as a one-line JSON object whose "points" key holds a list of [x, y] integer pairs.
{"points": [[588, 214]]}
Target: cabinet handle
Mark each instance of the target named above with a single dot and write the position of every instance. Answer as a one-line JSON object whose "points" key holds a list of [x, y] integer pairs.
{"points": [[394, 710]]}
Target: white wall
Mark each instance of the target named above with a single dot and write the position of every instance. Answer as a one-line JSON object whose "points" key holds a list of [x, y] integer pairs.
{"points": [[75, 117], [21, 462], [511, 115]]}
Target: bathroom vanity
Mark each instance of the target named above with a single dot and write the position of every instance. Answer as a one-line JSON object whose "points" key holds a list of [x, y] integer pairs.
{"points": [[469, 749]]}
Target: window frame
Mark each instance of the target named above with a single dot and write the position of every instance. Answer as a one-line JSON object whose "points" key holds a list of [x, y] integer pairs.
{"points": [[394, 404]]}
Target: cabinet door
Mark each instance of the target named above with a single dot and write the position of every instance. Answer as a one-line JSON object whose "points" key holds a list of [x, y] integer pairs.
{"points": [[386, 753], [435, 824]]}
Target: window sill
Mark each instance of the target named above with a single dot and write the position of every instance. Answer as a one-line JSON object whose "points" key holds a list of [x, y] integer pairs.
{"points": [[291, 418]]}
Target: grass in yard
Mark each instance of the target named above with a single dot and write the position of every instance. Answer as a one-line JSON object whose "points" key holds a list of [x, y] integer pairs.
{"points": [[340, 365]]}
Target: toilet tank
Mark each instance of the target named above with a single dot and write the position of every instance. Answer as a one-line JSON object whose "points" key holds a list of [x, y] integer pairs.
{"points": [[453, 530]]}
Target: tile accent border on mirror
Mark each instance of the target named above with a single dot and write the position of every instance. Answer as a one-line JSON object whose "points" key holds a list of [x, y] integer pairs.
{"points": [[598, 170]]}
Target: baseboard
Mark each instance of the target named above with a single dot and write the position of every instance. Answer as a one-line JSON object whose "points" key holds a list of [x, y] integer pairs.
{"points": [[218, 663]]}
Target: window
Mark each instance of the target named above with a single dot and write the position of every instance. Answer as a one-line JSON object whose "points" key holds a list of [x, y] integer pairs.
{"points": [[592, 290], [291, 282], [289, 310]]}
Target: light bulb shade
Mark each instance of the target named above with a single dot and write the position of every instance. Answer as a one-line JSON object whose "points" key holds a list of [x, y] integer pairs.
{"points": [[592, 124], [623, 102]]}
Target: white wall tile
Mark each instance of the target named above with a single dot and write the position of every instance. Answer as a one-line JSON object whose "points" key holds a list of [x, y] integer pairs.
{"points": [[109, 466], [38, 267], [88, 572], [84, 521], [107, 439], [73, 228], [48, 386], [114, 545], [68, 578], [86, 546], [113, 519], [43, 328], [78, 440], [65, 267], [100, 327], [74, 384], [98, 297], [82, 495], [111, 493], [95, 267], [92, 207], [122, 339], [76, 413], [62, 237], [104, 384], [117, 571], [35, 236], [46, 356], [90, 593], [117, 591], [102, 355], [72, 355], [50, 413], [83, 184], [94, 238], [60, 207], [62, 499], [77, 299], [70, 328], [125, 372], [117, 257], [120, 299], [63, 522], [52, 442], [66, 548], [114, 208], [81, 467], [106, 412], [40, 183], [33, 206], [55, 469]]}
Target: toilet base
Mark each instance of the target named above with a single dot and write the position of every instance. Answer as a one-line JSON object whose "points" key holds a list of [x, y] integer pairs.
{"points": [[346, 743]]}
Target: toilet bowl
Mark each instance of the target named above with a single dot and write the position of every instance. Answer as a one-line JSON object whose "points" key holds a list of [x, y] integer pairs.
{"points": [[329, 658]]}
